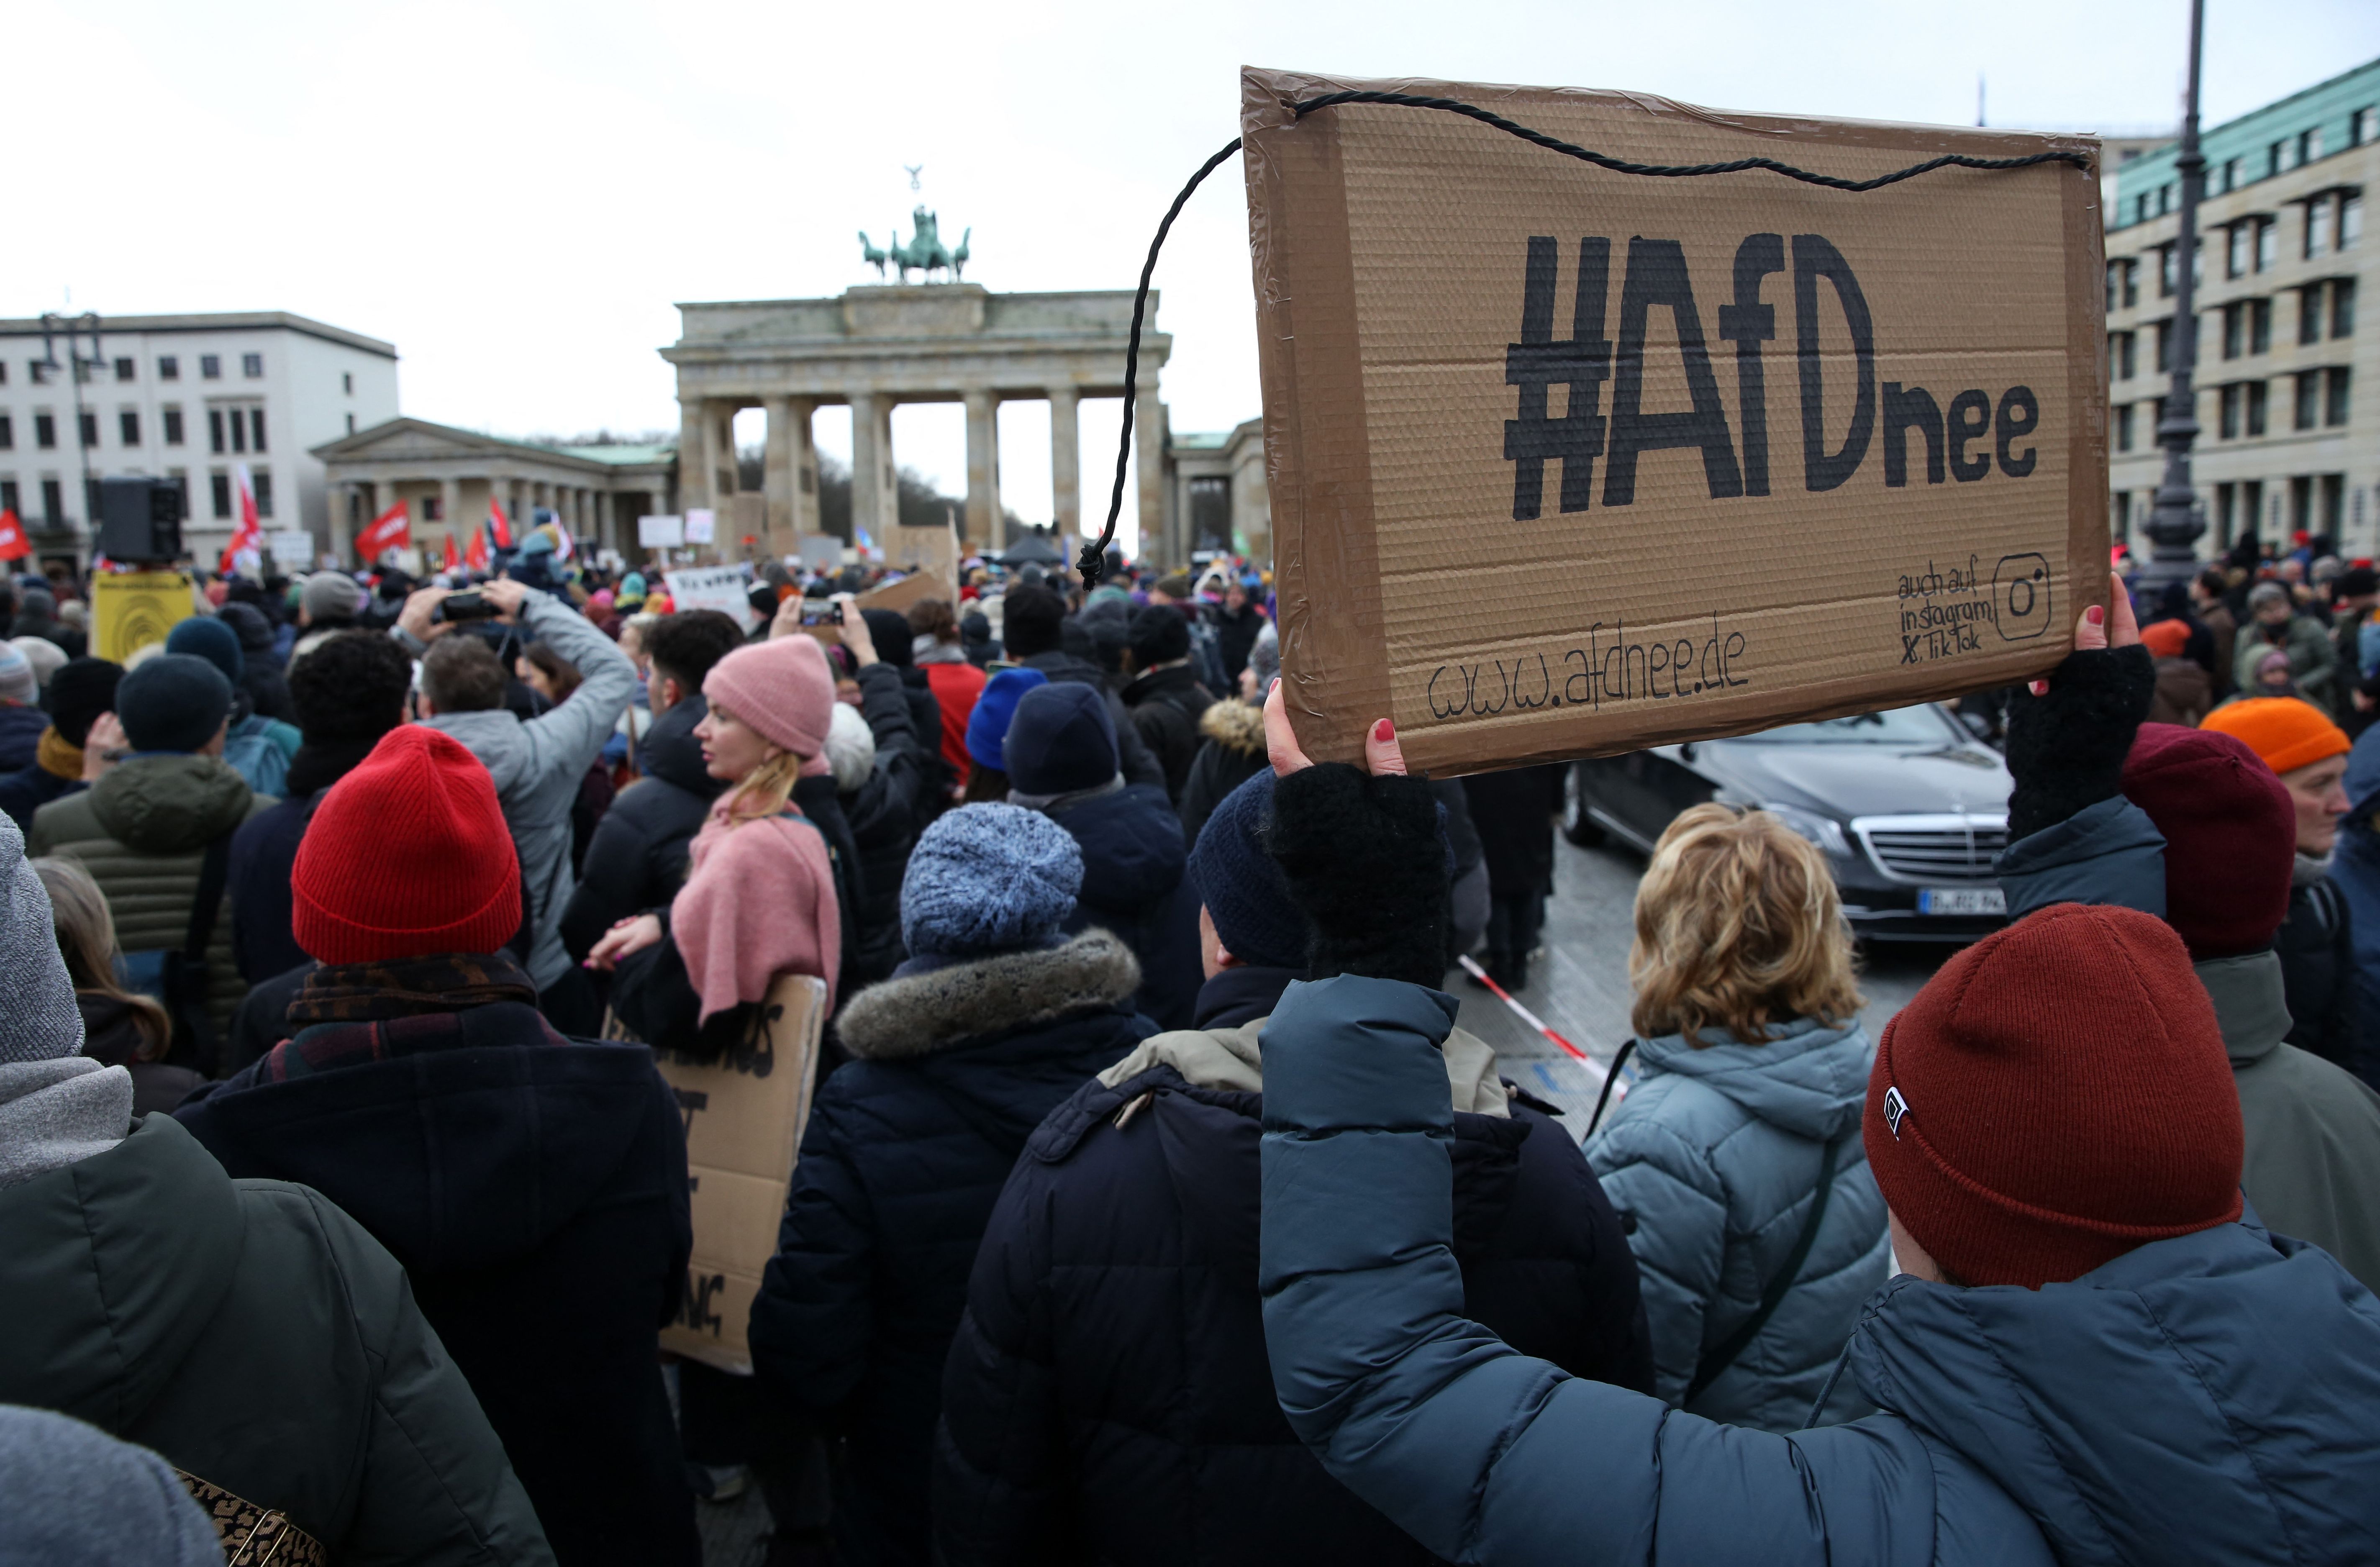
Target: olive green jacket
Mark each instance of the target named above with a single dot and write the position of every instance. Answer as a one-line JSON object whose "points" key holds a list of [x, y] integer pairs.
{"points": [[258, 1338], [143, 832]]}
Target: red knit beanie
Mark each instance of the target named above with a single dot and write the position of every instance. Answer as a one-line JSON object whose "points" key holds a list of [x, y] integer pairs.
{"points": [[782, 687], [407, 855], [2056, 1096], [2230, 836]]}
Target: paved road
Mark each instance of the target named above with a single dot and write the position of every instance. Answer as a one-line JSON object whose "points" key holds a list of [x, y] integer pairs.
{"points": [[1580, 989]]}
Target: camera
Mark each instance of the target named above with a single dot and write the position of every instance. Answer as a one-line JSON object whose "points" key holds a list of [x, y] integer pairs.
{"points": [[464, 606], [821, 612]]}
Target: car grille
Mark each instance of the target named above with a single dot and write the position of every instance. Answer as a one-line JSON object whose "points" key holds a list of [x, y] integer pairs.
{"points": [[1933, 849]]}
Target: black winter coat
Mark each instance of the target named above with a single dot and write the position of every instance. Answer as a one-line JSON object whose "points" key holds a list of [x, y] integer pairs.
{"points": [[535, 1190], [1166, 705], [886, 813], [637, 859], [263, 856], [1238, 634], [1108, 1397], [1513, 813], [1137, 883], [2316, 944], [260, 676], [905, 1154], [1232, 752]]}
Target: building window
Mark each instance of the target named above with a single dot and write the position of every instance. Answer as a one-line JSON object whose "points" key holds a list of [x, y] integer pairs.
{"points": [[2333, 396], [2309, 314], [256, 428], [53, 503], [128, 425], [2235, 328], [252, 366], [2342, 307], [2350, 221], [124, 371], [2123, 427], [9, 497], [169, 367], [2165, 272], [181, 478], [2362, 126], [220, 485], [2233, 393], [2310, 145], [46, 432], [433, 509], [2317, 226], [7, 433], [262, 480], [87, 425], [2165, 346], [2259, 326], [4, 373], [2256, 401], [351, 424], [2268, 243], [215, 430], [2238, 242], [210, 367], [2128, 358], [173, 427], [348, 382], [2231, 175], [2123, 519], [2308, 400]]}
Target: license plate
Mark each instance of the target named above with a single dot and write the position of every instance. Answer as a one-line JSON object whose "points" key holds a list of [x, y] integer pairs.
{"points": [[1962, 899]]}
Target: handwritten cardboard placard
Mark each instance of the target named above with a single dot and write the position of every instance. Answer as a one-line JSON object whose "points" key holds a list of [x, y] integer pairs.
{"points": [[1566, 462], [743, 1119], [726, 588]]}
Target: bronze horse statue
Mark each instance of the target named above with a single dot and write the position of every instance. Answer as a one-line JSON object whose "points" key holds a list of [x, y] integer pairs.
{"points": [[924, 253]]}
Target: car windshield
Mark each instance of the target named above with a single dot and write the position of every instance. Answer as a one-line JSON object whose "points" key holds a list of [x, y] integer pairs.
{"points": [[1899, 726]]}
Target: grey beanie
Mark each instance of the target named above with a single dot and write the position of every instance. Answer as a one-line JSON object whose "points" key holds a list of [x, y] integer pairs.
{"points": [[40, 1021], [988, 879], [330, 595], [80, 1498]]}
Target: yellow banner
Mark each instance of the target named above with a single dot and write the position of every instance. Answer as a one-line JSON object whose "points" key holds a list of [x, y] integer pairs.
{"points": [[130, 610]]}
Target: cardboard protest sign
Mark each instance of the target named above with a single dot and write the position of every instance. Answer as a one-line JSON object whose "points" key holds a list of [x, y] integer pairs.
{"points": [[927, 552], [743, 1119], [1565, 461], [726, 588], [131, 609]]}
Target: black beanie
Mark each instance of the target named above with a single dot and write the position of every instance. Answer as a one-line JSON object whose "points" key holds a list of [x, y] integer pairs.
{"points": [[79, 692], [1159, 635], [173, 702], [1059, 741], [890, 630]]}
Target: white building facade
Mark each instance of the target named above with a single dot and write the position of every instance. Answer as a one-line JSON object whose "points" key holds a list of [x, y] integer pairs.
{"points": [[190, 398]]}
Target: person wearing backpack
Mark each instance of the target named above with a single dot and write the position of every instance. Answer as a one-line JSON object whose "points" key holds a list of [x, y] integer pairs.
{"points": [[156, 834], [1735, 1163]]}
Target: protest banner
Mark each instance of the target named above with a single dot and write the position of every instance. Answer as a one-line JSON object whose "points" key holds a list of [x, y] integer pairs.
{"points": [[701, 526], [744, 1117], [293, 548], [659, 532], [1568, 461], [131, 609], [723, 587]]}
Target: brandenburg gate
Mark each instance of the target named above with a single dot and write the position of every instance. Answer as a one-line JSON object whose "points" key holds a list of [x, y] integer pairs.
{"points": [[876, 346]]}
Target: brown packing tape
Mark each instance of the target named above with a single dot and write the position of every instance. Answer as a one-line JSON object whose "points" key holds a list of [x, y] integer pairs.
{"points": [[1399, 254]]}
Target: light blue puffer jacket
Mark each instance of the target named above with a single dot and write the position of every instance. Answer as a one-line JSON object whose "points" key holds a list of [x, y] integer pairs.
{"points": [[1712, 1162], [2210, 1399]]}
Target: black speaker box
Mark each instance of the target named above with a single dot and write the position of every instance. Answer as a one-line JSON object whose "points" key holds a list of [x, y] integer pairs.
{"points": [[140, 519]]}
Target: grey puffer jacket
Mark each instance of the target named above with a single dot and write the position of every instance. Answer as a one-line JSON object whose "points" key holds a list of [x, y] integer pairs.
{"points": [[1713, 1162], [538, 763]]}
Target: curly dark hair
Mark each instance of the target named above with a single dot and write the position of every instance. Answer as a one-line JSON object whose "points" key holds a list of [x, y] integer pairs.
{"points": [[350, 687]]}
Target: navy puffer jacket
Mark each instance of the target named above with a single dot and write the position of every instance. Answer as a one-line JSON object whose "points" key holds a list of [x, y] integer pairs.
{"points": [[2213, 1398], [1108, 1398], [1137, 883], [905, 1152]]}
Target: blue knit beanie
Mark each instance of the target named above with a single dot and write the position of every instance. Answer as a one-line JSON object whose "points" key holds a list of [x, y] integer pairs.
{"points": [[1241, 883], [989, 879], [203, 637], [173, 702], [987, 727], [1061, 740]]}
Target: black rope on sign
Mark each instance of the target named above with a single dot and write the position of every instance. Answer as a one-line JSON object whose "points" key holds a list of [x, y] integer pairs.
{"points": [[1094, 557]]}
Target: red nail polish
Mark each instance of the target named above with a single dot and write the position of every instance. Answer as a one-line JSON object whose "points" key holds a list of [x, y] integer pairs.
{"points": [[1384, 731], [2096, 614]]}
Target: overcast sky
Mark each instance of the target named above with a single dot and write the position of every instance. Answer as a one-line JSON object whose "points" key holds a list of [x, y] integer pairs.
{"points": [[517, 192]]}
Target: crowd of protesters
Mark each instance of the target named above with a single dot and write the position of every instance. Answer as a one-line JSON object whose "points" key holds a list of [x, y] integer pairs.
{"points": [[1151, 1206]]}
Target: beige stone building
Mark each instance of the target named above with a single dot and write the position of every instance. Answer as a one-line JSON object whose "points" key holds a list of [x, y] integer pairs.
{"points": [[1214, 484], [449, 476]]}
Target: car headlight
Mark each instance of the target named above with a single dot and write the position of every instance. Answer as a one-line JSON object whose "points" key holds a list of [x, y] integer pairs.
{"points": [[1823, 831]]}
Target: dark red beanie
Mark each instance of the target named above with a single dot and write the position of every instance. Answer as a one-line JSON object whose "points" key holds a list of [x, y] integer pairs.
{"points": [[407, 855], [2230, 836], [2056, 1096]]}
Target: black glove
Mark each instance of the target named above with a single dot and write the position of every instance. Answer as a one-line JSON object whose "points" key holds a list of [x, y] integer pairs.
{"points": [[2065, 750], [1368, 867]]}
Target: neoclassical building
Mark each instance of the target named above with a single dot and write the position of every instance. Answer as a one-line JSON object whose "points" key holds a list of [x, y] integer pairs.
{"points": [[449, 476]]}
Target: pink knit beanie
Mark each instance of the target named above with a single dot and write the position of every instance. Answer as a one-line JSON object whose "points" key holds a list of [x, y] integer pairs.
{"points": [[781, 687]]}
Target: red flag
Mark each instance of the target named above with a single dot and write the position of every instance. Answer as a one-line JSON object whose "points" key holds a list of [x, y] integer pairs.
{"points": [[14, 545], [452, 559], [476, 557], [248, 538], [498, 524], [392, 530]]}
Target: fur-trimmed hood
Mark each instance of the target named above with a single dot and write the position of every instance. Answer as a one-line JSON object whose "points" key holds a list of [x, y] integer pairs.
{"points": [[918, 1014], [1235, 726]]}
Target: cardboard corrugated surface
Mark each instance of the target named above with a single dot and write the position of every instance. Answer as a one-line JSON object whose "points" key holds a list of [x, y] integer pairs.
{"points": [[1391, 249]]}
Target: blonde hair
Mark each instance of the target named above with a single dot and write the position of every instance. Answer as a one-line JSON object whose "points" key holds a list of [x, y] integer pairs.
{"points": [[1738, 925], [86, 933], [764, 791]]}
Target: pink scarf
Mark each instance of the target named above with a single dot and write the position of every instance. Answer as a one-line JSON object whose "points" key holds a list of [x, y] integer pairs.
{"points": [[758, 901]]}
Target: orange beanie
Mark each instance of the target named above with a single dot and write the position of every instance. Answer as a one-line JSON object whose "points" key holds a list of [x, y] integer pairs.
{"points": [[2287, 732]]}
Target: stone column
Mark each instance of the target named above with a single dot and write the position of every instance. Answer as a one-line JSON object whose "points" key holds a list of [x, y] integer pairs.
{"points": [[385, 496], [693, 455], [871, 454], [983, 517], [450, 504], [337, 512], [803, 482], [778, 485], [1066, 459], [1157, 538]]}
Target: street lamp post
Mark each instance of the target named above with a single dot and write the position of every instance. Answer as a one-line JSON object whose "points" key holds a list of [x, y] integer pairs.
{"points": [[87, 321], [2178, 521]]}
